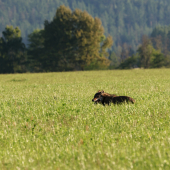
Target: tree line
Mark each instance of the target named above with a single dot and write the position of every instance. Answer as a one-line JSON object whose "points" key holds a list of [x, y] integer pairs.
{"points": [[74, 40], [153, 52], [125, 20]]}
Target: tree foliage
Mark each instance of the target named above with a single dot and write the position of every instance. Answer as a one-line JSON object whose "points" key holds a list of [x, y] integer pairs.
{"points": [[125, 20], [74, 40], [149, 56], [35, 50], [130, 62], [11, 50]]}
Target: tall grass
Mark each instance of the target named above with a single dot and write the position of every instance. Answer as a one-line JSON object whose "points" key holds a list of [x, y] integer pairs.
{"points": [[48, 121]]}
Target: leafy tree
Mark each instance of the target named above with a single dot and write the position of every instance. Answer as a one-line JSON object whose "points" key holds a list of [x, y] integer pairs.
{"points": [[149, 57], [57, 41], [75, 40], [158, 61], [11, 49], [146, 52], [130, 62]]}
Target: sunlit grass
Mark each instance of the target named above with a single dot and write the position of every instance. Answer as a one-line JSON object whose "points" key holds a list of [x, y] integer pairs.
{"points": [[48, 121]]}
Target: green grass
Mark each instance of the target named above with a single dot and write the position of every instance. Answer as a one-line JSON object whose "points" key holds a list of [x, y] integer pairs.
{"points": [[48, 121]]}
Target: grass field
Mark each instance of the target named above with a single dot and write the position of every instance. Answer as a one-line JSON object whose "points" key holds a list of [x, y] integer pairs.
{"points": [[48, 121]]}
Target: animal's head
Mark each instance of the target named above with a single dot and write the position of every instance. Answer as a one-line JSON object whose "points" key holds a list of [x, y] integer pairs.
{"points": [[98, 97]]}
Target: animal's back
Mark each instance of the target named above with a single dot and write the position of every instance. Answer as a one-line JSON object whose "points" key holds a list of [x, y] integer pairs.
{"points": [[121, 99]]}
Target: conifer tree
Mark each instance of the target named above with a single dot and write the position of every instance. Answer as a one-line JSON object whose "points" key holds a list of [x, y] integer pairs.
{"points": [[11, 48], [36, 50]]}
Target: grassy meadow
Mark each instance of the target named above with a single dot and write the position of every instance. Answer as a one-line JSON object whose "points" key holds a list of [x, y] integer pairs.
{"points": [[48, 121]]}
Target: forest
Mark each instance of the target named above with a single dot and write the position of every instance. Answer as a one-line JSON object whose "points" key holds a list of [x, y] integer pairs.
{"points": [[125, 20], [132, 24]]}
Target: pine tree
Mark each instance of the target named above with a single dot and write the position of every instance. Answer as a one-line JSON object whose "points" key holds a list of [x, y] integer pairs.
{"points": [[12, 49]]}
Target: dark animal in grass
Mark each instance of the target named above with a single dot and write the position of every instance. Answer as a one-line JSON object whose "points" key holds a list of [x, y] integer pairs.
{"points": [[106, 98], [99, 94], [122, 99]]}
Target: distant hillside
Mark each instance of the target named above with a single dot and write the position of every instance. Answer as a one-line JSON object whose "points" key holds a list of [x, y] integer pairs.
{"points": [[125, 20]]}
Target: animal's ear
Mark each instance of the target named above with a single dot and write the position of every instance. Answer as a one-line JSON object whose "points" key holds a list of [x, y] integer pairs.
{"points": [[102, 91], [103, 94], [99, 91]]}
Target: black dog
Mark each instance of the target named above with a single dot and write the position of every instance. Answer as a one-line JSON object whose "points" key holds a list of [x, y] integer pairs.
{"points": [[106, 98], [98, 97]]}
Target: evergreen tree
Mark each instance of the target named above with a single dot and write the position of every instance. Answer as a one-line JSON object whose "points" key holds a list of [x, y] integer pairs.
{"points": [[115, 61], [36, 50], [11, 49]]}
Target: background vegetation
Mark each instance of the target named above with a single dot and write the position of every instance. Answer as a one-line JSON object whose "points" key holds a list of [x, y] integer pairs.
{"points": [[125, 21], [48, 121]]}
